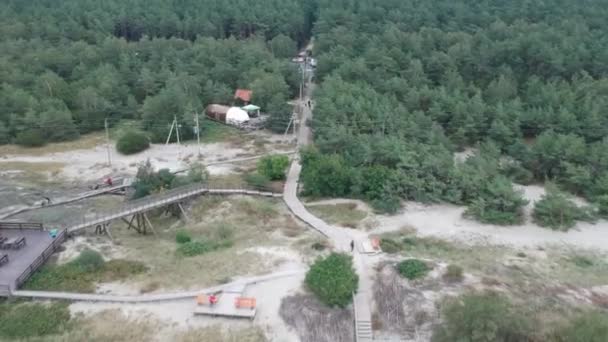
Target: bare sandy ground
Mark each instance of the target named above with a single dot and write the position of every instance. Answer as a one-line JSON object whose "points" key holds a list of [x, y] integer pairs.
{"points": [[91, 164], [178, 315], [446, 221]]}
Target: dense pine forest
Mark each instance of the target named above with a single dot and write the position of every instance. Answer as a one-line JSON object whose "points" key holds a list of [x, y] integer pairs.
{"points": [[405, 83], [66, 65], [402, 86]]}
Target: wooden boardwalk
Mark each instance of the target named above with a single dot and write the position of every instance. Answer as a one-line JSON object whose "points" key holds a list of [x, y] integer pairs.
{"points": [[126, 183], [234, 287]]}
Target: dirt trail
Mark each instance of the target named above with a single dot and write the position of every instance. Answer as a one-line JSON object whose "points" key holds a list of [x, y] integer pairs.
{"points": [[446, 221]]}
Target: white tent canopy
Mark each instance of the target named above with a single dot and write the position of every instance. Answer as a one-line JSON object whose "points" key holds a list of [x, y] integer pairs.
{"points": [[236, 116]]}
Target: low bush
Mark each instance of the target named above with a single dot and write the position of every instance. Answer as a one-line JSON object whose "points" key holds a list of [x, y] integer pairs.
{"points": [[499, 203], [588, 327], [257, 180], [581, 261], [132, 142], [318, 246], [30, 138], [390, 246], [413, 268], [29, 320], [194, 248], [556, 211], [182, 236], [273, 167], [89, 261], [453, 274], [333, 279], [481, 318], [387, 204]]}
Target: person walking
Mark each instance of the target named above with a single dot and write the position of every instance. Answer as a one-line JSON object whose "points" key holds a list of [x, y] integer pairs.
{"points": [[352, 245]]}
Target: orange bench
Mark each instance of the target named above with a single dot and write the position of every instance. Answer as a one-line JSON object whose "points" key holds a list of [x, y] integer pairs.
{"points": [[204, 299], [376, 243], [244, 303]]}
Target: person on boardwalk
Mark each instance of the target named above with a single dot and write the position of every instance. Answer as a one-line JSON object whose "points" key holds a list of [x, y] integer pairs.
{"points": [[352, 245]]}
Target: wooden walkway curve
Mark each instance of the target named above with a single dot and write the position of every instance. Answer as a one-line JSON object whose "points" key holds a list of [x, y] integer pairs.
{"points": [[159, 200], [236, 286], [126, 183]]}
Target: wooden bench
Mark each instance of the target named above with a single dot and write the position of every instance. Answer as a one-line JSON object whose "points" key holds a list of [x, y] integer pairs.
{"points": [[14, 243], [244, 303], [4, 259]]}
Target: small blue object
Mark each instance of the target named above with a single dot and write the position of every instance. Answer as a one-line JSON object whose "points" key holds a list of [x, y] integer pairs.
{"points": [[53, 233]]}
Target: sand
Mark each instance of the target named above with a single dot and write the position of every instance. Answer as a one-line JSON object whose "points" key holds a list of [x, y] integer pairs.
{"points": [[91, 164], [446, 221]]}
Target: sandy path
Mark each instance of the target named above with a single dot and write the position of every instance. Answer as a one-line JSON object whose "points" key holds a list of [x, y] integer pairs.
{"points": [[446, 221], [91, 164]]}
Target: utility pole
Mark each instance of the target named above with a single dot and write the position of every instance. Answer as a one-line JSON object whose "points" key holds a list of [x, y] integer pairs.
{"points": [[170, 131], [105, 124], [176, 128], [198, 133]]}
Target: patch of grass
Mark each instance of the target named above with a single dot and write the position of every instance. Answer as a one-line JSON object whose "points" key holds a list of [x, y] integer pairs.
{"points": [[182, 236], [343, 214], [390, 246], [82, 273], [213, 132], [29, 320], [581, 261], [453, 274], [413, 269], [86, 141], [33, 169]]}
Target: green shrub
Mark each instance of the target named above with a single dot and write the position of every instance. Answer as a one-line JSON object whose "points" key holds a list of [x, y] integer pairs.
{"points": [[386, 205], [132, 142], [273, 167], [453, 273], [318, 246], [588, 327], [89, 261], [602, 204], [30, 138], [581, 261], [413, 268], [556, 211], [182, 236], [390, 246], [481, 318], [194, 248], [5, 137], [257, 180], [498, 203], [333, 280], [28, 320]]}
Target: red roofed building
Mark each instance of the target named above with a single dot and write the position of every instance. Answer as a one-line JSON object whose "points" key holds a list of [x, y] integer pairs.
{"points": [[243, 95]]}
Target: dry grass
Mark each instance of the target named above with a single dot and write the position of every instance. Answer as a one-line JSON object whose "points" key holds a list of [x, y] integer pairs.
{"points": [[114, 326], [252, 222], [86, 141], [35, 172], [314, 322], [343, 214], [217, 333]]}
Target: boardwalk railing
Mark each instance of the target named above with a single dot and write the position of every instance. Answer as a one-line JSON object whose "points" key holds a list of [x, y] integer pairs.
{"points": [[162, 199], [41, 259], [21, 225], [5, 290]]}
